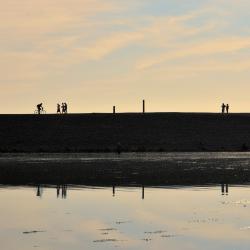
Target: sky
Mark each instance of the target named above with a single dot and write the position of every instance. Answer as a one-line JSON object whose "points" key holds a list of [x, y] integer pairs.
{"points": [[178, 55]]}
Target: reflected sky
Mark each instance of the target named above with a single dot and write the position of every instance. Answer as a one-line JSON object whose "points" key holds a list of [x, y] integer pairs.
{"points": [[99, 218]]}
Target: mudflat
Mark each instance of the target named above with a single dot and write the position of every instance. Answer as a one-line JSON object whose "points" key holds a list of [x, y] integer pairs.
{"points": [[110, 169], [130, 132]]}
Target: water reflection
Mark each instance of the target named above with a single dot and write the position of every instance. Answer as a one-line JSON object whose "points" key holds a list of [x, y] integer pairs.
{"points": [[224, 189], [144, 217], [39, 191], [61, 190]]}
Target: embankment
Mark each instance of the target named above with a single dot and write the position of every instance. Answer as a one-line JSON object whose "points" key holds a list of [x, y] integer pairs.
{"points": [[134, 132]]}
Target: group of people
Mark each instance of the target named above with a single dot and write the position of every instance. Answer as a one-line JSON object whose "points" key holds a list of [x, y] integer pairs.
{"points": [[62, 109], [224, 108]]}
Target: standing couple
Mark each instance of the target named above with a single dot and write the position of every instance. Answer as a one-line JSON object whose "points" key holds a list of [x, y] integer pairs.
{"points": [[224, 108], [62, 109]]}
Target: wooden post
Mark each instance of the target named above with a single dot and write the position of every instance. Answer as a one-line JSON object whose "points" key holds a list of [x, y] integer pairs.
{"points": [[113, 109], [143, 106], [142, 192]]}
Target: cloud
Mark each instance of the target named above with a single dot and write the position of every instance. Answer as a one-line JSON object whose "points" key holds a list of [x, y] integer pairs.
{"points": [[108, 45], [157, 33], [36, 36], [204, 48]]}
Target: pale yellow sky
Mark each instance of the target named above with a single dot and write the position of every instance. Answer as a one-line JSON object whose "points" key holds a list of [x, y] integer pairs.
{"points": [[93, 54]]}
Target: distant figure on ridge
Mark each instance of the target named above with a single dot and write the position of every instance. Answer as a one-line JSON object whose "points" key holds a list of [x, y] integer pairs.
{"points": [[227, 108], [39, 108], [58, 108], [65, 108], [223, 106]]}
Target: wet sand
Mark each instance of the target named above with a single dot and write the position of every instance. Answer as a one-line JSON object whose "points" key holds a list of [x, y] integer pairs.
{"points": [[134, 132], [144, 169]]}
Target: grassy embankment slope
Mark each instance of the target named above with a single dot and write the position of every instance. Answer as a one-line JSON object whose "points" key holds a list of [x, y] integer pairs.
{"points": [[134, 131]]}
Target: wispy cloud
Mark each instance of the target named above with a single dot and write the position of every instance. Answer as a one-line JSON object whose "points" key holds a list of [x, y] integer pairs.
{"points": [[212, 47], [107, 45]]}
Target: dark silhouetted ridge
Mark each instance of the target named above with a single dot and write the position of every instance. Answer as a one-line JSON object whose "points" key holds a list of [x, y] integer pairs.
{"points": [[130, 132]]}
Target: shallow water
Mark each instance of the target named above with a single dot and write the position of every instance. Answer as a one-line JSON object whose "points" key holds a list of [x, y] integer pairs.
{"points": [[74, 217], [150, 156]]}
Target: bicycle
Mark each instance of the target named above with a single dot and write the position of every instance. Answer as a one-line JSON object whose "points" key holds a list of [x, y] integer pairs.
{"points": [[42, 112]]}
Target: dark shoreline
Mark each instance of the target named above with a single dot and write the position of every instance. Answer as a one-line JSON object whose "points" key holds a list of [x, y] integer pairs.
{"points": [[126, 132]]}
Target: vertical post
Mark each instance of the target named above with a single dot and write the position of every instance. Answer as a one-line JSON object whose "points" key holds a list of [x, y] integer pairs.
{"points": [[143, 106], [113, 109], [142, 192], [113, 190]]}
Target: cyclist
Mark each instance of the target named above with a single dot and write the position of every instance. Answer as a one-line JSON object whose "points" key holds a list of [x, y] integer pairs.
{"points": [[39, 108]]}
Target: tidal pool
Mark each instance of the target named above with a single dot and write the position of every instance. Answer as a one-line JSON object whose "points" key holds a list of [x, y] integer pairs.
{"points": [[80, 217]]}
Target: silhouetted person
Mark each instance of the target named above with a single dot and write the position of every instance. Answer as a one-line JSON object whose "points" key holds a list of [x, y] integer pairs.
{"points": [[227, 108], [223, 106], [39, 108], [65, 108], [58, 109]]}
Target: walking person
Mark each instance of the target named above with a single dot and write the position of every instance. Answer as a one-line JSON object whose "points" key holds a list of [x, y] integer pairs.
{"points": [[65, 108], [58, 108], [227, 108], [223, 106]]}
